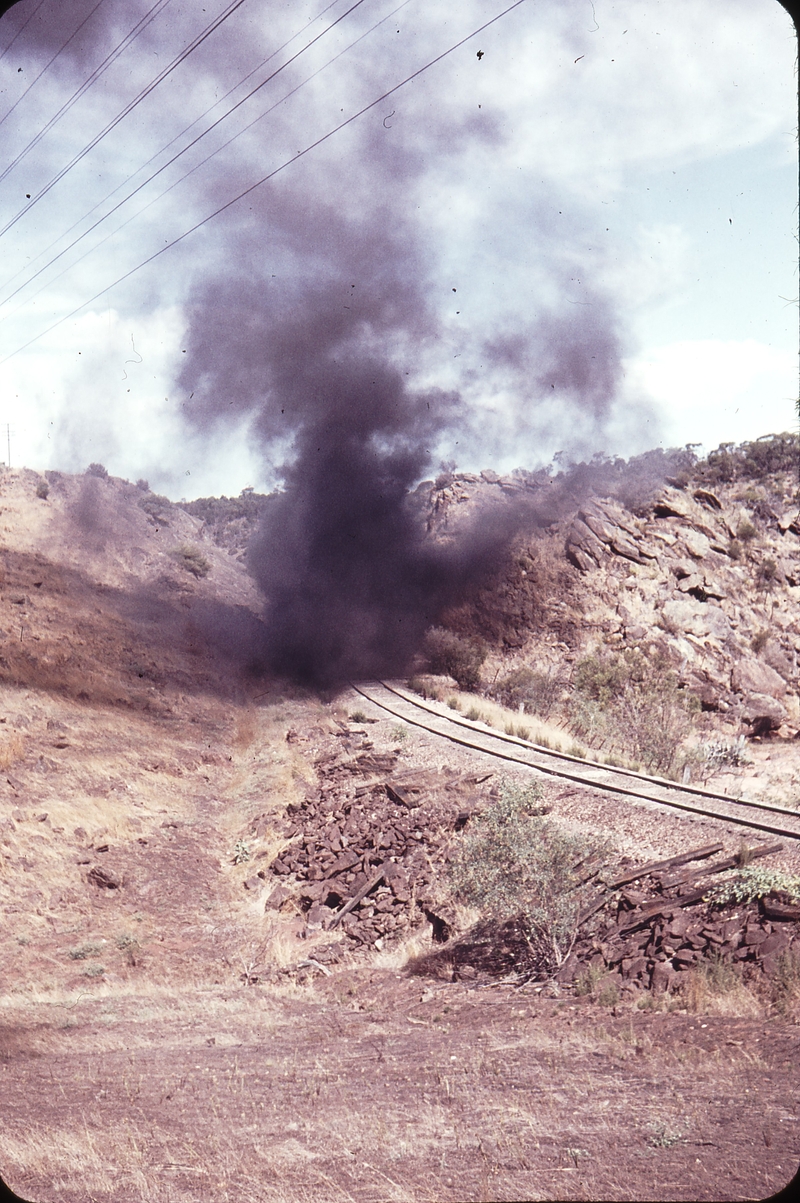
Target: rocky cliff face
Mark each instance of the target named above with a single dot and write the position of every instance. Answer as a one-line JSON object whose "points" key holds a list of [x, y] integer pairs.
{"points": [[703, 573]]}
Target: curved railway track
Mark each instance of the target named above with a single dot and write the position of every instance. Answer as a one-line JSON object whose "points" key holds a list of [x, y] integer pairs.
{"points": [[762, 816]]}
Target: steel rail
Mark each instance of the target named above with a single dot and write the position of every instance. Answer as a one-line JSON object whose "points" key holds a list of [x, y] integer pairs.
{"points": [[756, 815]]}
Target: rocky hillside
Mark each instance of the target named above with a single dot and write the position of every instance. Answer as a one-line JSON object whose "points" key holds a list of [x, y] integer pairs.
{"points": [[696, 576]]}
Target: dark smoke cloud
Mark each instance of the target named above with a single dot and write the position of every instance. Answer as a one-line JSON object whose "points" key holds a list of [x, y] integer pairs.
{"points": [[313, 331], [350, 580], [317, 315]]}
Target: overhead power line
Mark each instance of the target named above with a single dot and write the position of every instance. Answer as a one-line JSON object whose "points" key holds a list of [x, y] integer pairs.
{"points": [[100, 70], [50, 61], [269, 176], [162, 75], [10, 279], [180, 180], [199, 138], [22, 27]]}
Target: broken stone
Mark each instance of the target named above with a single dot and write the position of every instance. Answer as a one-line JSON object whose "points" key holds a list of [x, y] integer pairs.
{"points": [[104, 878], [277, 898]]}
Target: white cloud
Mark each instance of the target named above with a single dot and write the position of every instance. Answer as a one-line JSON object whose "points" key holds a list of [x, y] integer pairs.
{"points": [[713, 391]]}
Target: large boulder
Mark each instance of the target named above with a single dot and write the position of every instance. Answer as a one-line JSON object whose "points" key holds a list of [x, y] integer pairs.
{"points": [[696, 618], [755, 677], [762, 713]]}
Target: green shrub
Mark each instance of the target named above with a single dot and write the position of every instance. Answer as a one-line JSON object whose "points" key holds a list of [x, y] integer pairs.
{"points": [[84, 951], [241, 852], [633, 701], [515, 862], [192, 560], [746, 531], [155, 506], [97, 470], [452, 655], [537, 692], [358, 716], [751, 883]]}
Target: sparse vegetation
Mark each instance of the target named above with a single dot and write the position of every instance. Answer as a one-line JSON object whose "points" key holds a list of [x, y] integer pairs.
{"points": [[633, 702], [746, 532], [751, 883], [452, 655], [536, 692], [513, 861], [241, 852], [398, 734], [84, 951], [97, 470], [192, 560], [156, 507], [760, 641], [42, 489], [358, 716]]}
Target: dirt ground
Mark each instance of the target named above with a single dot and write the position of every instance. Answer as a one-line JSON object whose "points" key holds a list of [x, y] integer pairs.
{"points": [[374, 1086], [136, 1063]]}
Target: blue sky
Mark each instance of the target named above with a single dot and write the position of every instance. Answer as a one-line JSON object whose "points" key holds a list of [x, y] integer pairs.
{"points": [[622, 174]]}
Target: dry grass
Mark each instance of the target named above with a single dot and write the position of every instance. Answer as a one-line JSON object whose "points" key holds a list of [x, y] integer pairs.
{"points": [[12, 749], [498, 717]]}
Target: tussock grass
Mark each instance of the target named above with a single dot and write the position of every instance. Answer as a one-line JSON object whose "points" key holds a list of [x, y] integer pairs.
{"points": [[503, 719]]}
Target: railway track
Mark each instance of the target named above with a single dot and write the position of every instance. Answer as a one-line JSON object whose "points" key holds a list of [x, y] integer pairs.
{"points": [[761, 816]]}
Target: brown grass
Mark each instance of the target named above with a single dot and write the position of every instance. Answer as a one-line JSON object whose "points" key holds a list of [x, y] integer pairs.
{"points": [[12, 749]]}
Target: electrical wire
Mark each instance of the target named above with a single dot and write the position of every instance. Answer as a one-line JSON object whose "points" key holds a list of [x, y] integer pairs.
{"points": [[180, 180], [266, 178], [100, 70], [50, 62], [199, 137], [23, 26], [10, 279], [162, 75]]}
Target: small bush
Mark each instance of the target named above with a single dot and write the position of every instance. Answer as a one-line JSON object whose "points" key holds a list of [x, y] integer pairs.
{"points": [[746, 531], [358, 716], [723, 753], [42, 489], [537, 692], [452, 702], [515, 862], [241, 853], [192, 560], [143, 485], [398, 734], [759, 641], [452, 655], [94, 971], [474, 715], [523, 733], [768, 573], [735, 549], [750, 884], [97, 470], [84, 951], [632, 701], [155, 506]]}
